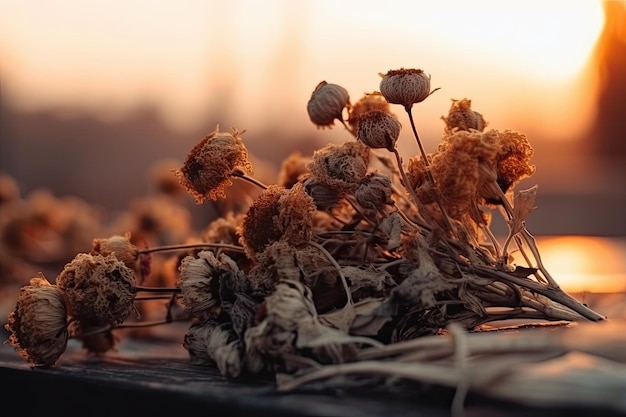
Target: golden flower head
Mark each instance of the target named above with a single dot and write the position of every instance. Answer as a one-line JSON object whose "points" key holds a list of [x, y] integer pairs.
{"points": [[378, 129], [456, 168], [38, 325], [405, 86], [327, 103], [341, 167], [462, 117], [210, 164], [199, 282], [99, 290], [370, 101], [374, 191], [278, 214], [513, 158]]}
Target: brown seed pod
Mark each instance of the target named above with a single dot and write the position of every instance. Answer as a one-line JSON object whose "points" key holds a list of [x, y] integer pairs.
{"points": [[370, 101], [38, 325], [327, 103], [378, 129], [121, 246], [405, 86]]}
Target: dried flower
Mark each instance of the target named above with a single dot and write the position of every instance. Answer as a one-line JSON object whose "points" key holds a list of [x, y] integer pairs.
{"points": [[210, 164], [462, 117], [370, 101], [99, 290], [374, 191], [278, 214], [405, 86], [327, 103], [124, 250], [341, 167], [378, 129], [199, 282], [38, 325], [212, 343], [223, 229], [513, 158], [324, 197], [293, 168], [455, 167]]}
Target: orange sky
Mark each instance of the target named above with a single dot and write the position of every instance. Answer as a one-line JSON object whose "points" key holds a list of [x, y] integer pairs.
{"points": [[519, 62]]}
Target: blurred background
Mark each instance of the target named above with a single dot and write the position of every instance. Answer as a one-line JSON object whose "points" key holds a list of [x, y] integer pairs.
{"points": [[95, 95]]}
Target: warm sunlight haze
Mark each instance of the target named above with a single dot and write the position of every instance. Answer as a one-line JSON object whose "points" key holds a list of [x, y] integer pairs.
{"points": [[107, 58]]}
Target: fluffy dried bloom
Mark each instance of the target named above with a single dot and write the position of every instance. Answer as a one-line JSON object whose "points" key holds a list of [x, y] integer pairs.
{"points": [[462, 117], [513, 158], [341, 167], [378, 129], [370, 101], [98, 290], [199, 282], [455, 168], [293, 168], [327, 103], [210, 164], [38, 325], [374, 191], [405, 86], [223, 229], [278, 214], [417, 175]]}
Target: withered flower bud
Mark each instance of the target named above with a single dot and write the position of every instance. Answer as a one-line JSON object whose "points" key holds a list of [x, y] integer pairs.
{"points": [[324, 197], [374, 191], [278, 214], [405, 86], [210, 164], [327, 103], [370, 101], [38, 325], [121, 247], [98, 290], [462, 117], [378, 129], [199, 282], [212, 343], [341, 167]]}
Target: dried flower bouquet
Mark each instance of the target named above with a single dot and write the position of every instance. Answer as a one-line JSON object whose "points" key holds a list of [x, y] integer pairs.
{"points": [[351, 252]]}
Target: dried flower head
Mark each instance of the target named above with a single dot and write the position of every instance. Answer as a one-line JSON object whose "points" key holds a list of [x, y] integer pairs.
{"points": [[99, 290], [405, 86], [123, 249], [513, 158], [210, 164], [370, 101], [374, 191], [293, 169], [341, 167], [212, 343], [378, 129], [324, 197], [223, 229], [462, 117], [455, 168], [327, 103], [278, 214], [38, 325], [199, 282]]}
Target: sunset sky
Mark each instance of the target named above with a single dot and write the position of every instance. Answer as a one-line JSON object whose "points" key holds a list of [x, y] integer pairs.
{"points": [[525, 65], [521, 63]]}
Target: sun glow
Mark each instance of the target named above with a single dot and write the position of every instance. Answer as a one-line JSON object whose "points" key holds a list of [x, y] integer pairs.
{"points": [[582, 263]]}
